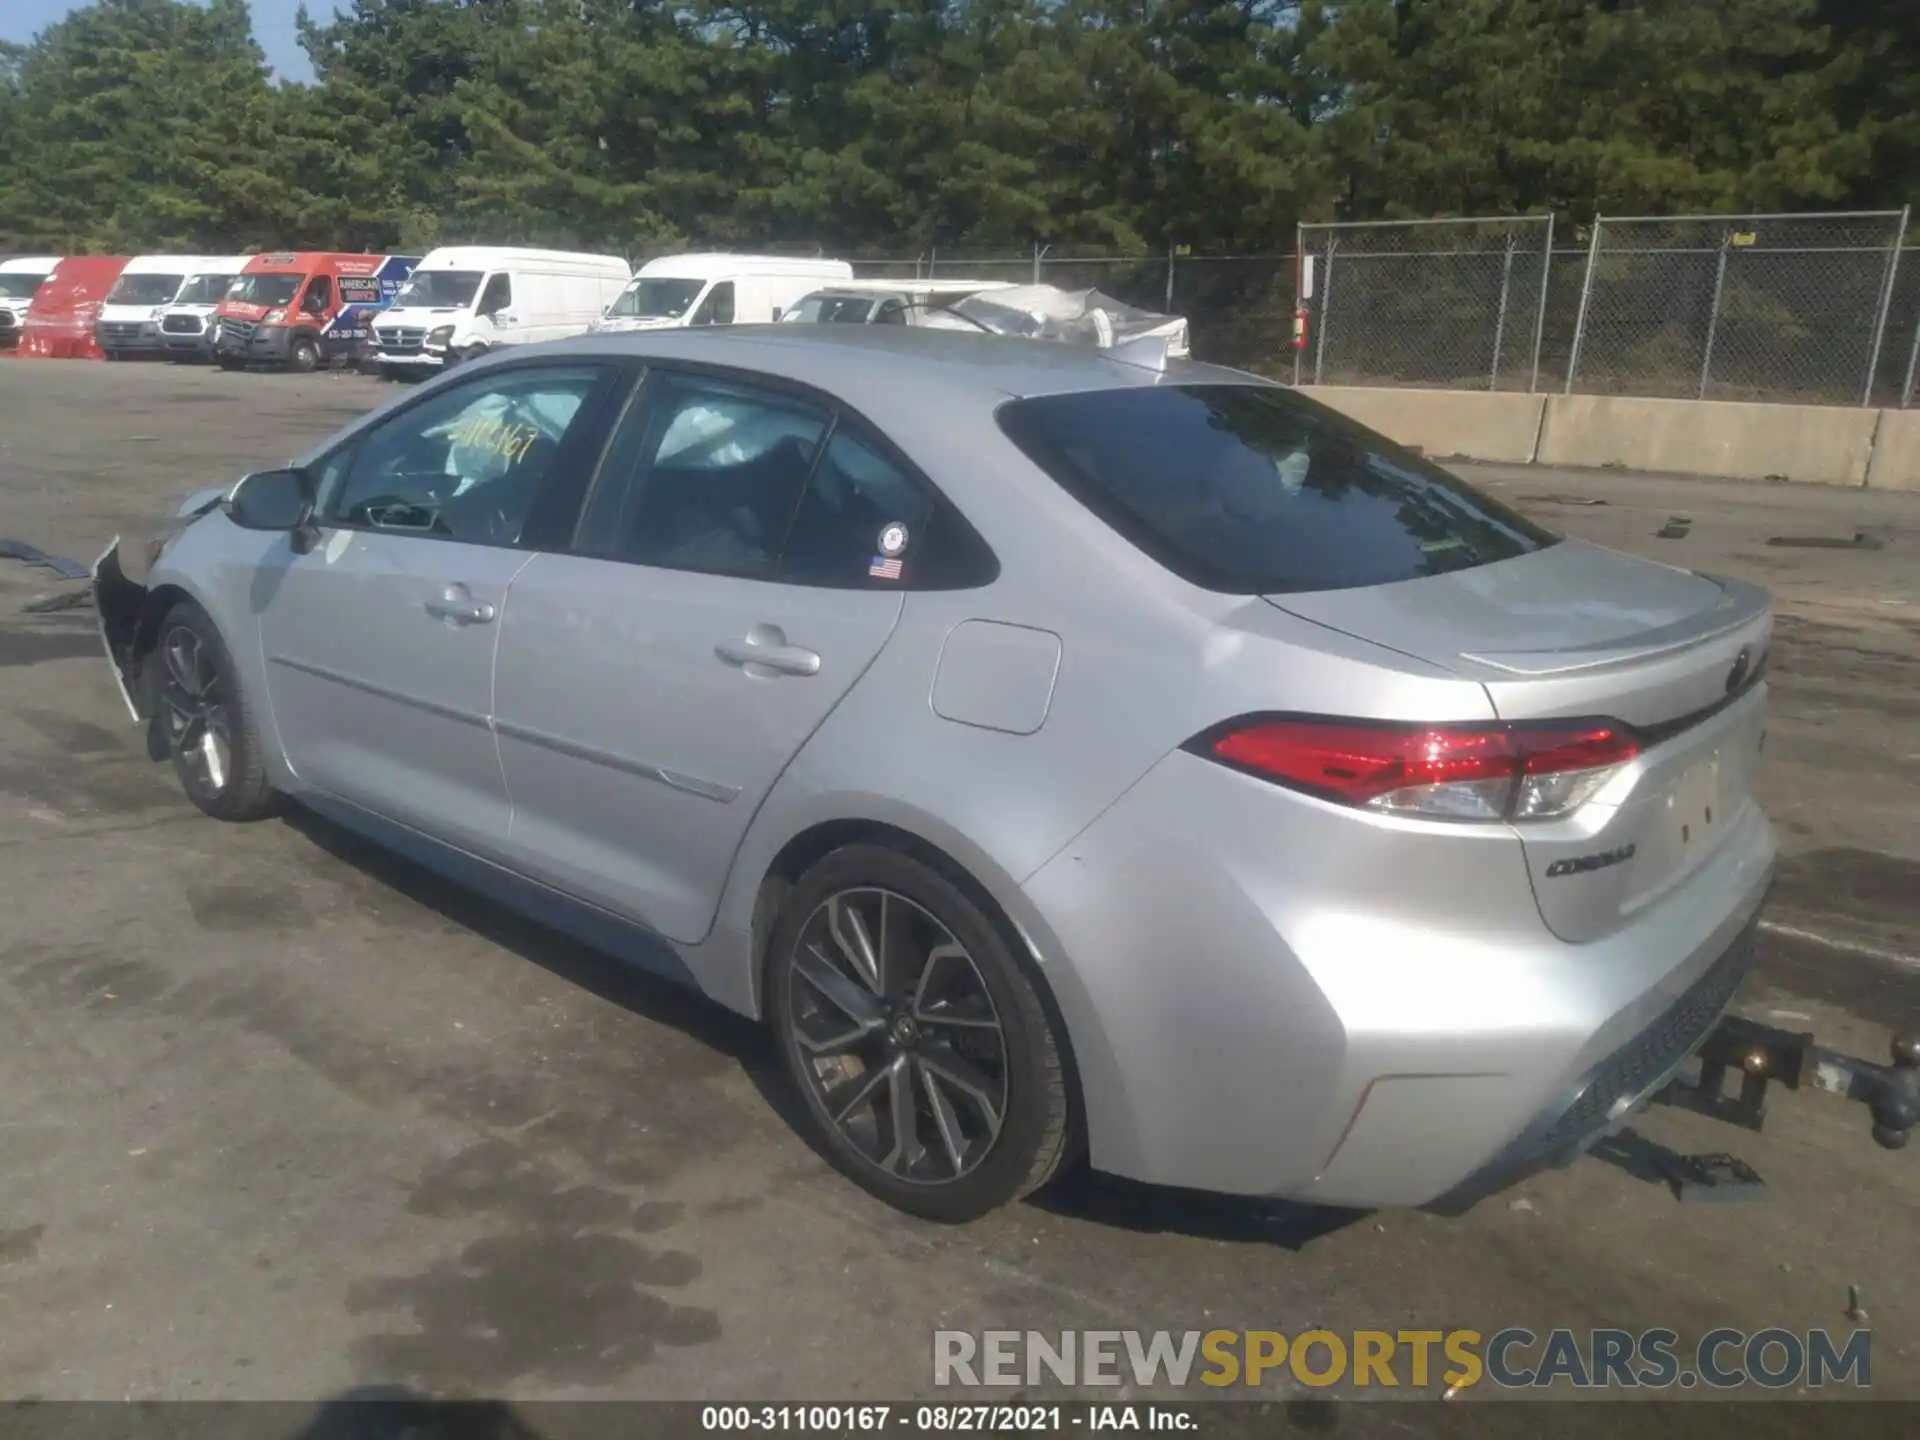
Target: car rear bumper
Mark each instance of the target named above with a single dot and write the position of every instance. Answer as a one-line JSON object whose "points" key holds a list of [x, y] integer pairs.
{"points": [[1268, 995]]}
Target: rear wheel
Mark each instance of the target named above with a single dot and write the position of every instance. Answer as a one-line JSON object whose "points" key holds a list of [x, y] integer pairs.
{"points": [[206, 720], [303, 355], [928, 1064]]}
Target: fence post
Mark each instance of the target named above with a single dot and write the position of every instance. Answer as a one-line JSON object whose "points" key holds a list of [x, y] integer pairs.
{"points": [[1170, 250], [1540, 314], [1500, 320], [1913, 363], [1326, 304], [1713, 310], [1586, 296], [1300, 301], [1886, 300]]}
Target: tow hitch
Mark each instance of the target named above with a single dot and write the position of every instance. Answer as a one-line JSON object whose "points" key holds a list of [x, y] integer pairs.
{"points": [[1763, 1055]]}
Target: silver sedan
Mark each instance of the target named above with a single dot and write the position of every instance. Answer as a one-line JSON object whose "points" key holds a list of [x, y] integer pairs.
{"points": [[1066, 758]]}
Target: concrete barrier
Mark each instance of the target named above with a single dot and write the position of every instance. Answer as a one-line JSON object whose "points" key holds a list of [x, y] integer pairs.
{"points": [[1896, 452], [1473, 424], [1827, 444]]}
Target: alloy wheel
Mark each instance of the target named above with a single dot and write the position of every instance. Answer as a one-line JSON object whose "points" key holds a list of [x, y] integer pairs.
{"points": [[194, 709], [900, 1043]]}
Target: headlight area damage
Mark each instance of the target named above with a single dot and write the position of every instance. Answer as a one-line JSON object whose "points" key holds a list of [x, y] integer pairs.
{"points": [[128, 611]]}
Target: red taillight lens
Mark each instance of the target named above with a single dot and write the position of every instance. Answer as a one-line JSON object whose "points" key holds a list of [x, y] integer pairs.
{"points": [[1450, 772]]}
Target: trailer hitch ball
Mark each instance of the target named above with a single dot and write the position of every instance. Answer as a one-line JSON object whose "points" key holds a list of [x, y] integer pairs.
{"points": [[1897, 1105]]}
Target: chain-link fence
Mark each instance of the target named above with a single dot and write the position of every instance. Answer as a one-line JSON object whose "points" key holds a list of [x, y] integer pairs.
{"points": [[1456, 304], [1745, 307], [1239, 308], [1778, 308]]}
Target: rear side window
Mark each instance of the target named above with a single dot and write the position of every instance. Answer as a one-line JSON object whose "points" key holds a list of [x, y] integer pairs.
{"points": [[1252, 489]]}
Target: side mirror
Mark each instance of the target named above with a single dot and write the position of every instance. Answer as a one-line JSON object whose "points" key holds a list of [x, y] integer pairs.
{"points": [[272, 500]]}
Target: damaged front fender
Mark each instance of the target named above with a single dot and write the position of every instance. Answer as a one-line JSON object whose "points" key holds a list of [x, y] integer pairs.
{"points": [[124, 602]]}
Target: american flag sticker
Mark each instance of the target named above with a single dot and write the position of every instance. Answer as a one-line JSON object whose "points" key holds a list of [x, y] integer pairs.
{"points": [[885, 567]]}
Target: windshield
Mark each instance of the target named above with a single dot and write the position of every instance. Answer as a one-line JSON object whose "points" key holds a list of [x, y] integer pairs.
{"points": [[19, 287], [439, 290], [144, 289], [264, 289], [658, 298], [1252, 489], [204, 290], [832, 309]]}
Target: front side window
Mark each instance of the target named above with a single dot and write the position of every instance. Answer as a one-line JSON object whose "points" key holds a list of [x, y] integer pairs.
{"points": [[892, 312], [144, 289], [466, 464], [1252, 489], [497, 296], [657, 298], [319, 296], [717, 308], [704, 476]]}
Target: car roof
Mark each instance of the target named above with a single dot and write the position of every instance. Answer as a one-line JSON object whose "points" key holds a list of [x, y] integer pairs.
{"points": [[458, 257], [862, 360], [909, 287]]}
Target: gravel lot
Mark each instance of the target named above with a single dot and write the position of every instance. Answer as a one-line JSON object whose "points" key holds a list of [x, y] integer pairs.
{"points": [[280, 1116]]}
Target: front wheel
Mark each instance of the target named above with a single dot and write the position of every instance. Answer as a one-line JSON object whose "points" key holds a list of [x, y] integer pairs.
{"points": [[929, 1067], [228, 362], [205, 718], [303, 355]]}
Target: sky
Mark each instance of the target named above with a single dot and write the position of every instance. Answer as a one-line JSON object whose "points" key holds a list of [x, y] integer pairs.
{"points": [[272, 24]]}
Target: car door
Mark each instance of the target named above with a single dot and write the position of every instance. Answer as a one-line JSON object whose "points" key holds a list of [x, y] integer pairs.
{"points": [[378, 641], [653, 683]]}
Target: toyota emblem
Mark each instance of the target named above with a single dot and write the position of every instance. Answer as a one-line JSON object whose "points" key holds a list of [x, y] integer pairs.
{"points": [[1742, 663]]}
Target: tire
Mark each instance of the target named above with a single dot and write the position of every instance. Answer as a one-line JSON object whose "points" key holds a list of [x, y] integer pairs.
{"points": [[303, 355], [954, 1005], [198, 694], [226, 362]]}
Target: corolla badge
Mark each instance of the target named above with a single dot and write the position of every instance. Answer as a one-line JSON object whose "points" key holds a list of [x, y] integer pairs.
{"points": [[1584, 864]]}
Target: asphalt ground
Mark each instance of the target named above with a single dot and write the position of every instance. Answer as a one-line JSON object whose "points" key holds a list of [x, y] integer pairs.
{"points": [[281, 1116]]}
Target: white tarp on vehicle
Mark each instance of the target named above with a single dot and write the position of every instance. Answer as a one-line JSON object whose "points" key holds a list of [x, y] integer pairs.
{"points": [[1077, 317]]}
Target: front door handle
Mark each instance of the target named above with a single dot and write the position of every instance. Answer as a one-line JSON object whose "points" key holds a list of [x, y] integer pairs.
{"points": [[456, 606], [765, 653]]}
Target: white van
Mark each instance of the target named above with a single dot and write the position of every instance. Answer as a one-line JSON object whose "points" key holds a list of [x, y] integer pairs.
{"points": [[716, 289], [19, 278], [464, 300], [129, 322], [186, 324]]}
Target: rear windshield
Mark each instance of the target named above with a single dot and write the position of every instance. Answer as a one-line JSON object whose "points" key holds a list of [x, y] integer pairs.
{"points": [[1253, 490]]}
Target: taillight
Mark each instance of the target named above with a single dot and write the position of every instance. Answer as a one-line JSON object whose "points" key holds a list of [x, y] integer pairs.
{"points": [[1442, 772]]}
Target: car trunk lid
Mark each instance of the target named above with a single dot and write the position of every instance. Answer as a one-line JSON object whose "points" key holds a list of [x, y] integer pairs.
{"points": [[1576, 631]]}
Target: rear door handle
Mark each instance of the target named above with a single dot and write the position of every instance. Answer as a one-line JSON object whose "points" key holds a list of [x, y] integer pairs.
{"points": [[765, 653], [456, 606]]}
